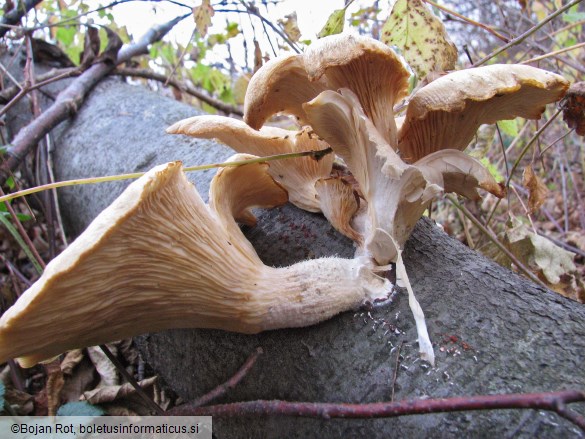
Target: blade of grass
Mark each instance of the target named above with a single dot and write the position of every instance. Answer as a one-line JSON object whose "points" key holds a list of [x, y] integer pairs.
{"points": [[6, 222], [315, 154]]}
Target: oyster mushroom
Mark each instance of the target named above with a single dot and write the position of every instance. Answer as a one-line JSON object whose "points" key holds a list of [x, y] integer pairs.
{"points": [[297, 175], [446, 113], [159, 258], [400, 165]]}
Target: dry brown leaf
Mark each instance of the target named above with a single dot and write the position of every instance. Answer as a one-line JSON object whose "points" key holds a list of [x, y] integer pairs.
{"points": [[538, 191], [115, 393], [55, 382], [290, 26], [258, 61], [573, 106], [81, 380], [549, 261], [71, 360], [21, 402], [134, 405], [105, 368], [202, 15]]}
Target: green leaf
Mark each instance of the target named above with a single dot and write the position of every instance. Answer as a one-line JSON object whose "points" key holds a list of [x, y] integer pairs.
{"points": [[10, 182], [6, 222], [492, 169], [232, 30], [510, 127], [66, 35], [79, 408], [334, 24], [573, 17], [421, 37], [21, 216]]}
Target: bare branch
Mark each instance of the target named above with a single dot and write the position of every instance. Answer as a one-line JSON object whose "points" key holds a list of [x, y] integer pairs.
{"points": [[185, 87], [550, 401], [13, 17], [69, 100]]}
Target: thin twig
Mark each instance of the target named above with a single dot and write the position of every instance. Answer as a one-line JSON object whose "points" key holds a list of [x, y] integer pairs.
{"points": [[492, 237], [13, 94], [526, 34], [396, 370], [185, 87], [563, 244], [264, 20], [556, 52], [120, 367], [469, 20], [223, 388], [564, 197], [550, 401], [14, 16], [562, 29], [519, 159], [69, 100]]}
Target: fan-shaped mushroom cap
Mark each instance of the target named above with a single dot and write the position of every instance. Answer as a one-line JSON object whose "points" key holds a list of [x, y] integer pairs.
{"points": [[368, 68], [297, 175], [281, 85], [446, 113], [365, 66], [159, 258]]}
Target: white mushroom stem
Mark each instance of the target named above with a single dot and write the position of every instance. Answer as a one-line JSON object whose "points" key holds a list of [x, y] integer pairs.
{"points": [[159, 258], [424, 341]]}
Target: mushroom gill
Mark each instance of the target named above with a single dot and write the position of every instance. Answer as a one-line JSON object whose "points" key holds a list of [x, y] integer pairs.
{"points": [[159, 258]]}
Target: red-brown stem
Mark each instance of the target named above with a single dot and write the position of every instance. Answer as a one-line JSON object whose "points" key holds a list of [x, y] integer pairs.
{"points": [[551, 401], [222, 388]]}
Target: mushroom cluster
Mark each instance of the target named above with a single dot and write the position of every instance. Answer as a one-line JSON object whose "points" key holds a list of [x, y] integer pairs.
{"points": [[343, 91], [345, 88]]}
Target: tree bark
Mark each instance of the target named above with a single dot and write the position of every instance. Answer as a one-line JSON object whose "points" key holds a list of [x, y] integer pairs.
{"points": [[493, 331]]}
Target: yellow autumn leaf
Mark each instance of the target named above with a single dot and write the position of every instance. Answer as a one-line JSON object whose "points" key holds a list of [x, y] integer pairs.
{"points": [[290, 26], [202, 15], [421, 37]]}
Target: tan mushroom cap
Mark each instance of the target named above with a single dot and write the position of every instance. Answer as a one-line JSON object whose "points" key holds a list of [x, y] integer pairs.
{"points": [[339, 203], [298, 175], [115, 280], [159, 258], [280, 85], [368, 68], [232, 196], [446, 113]]}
